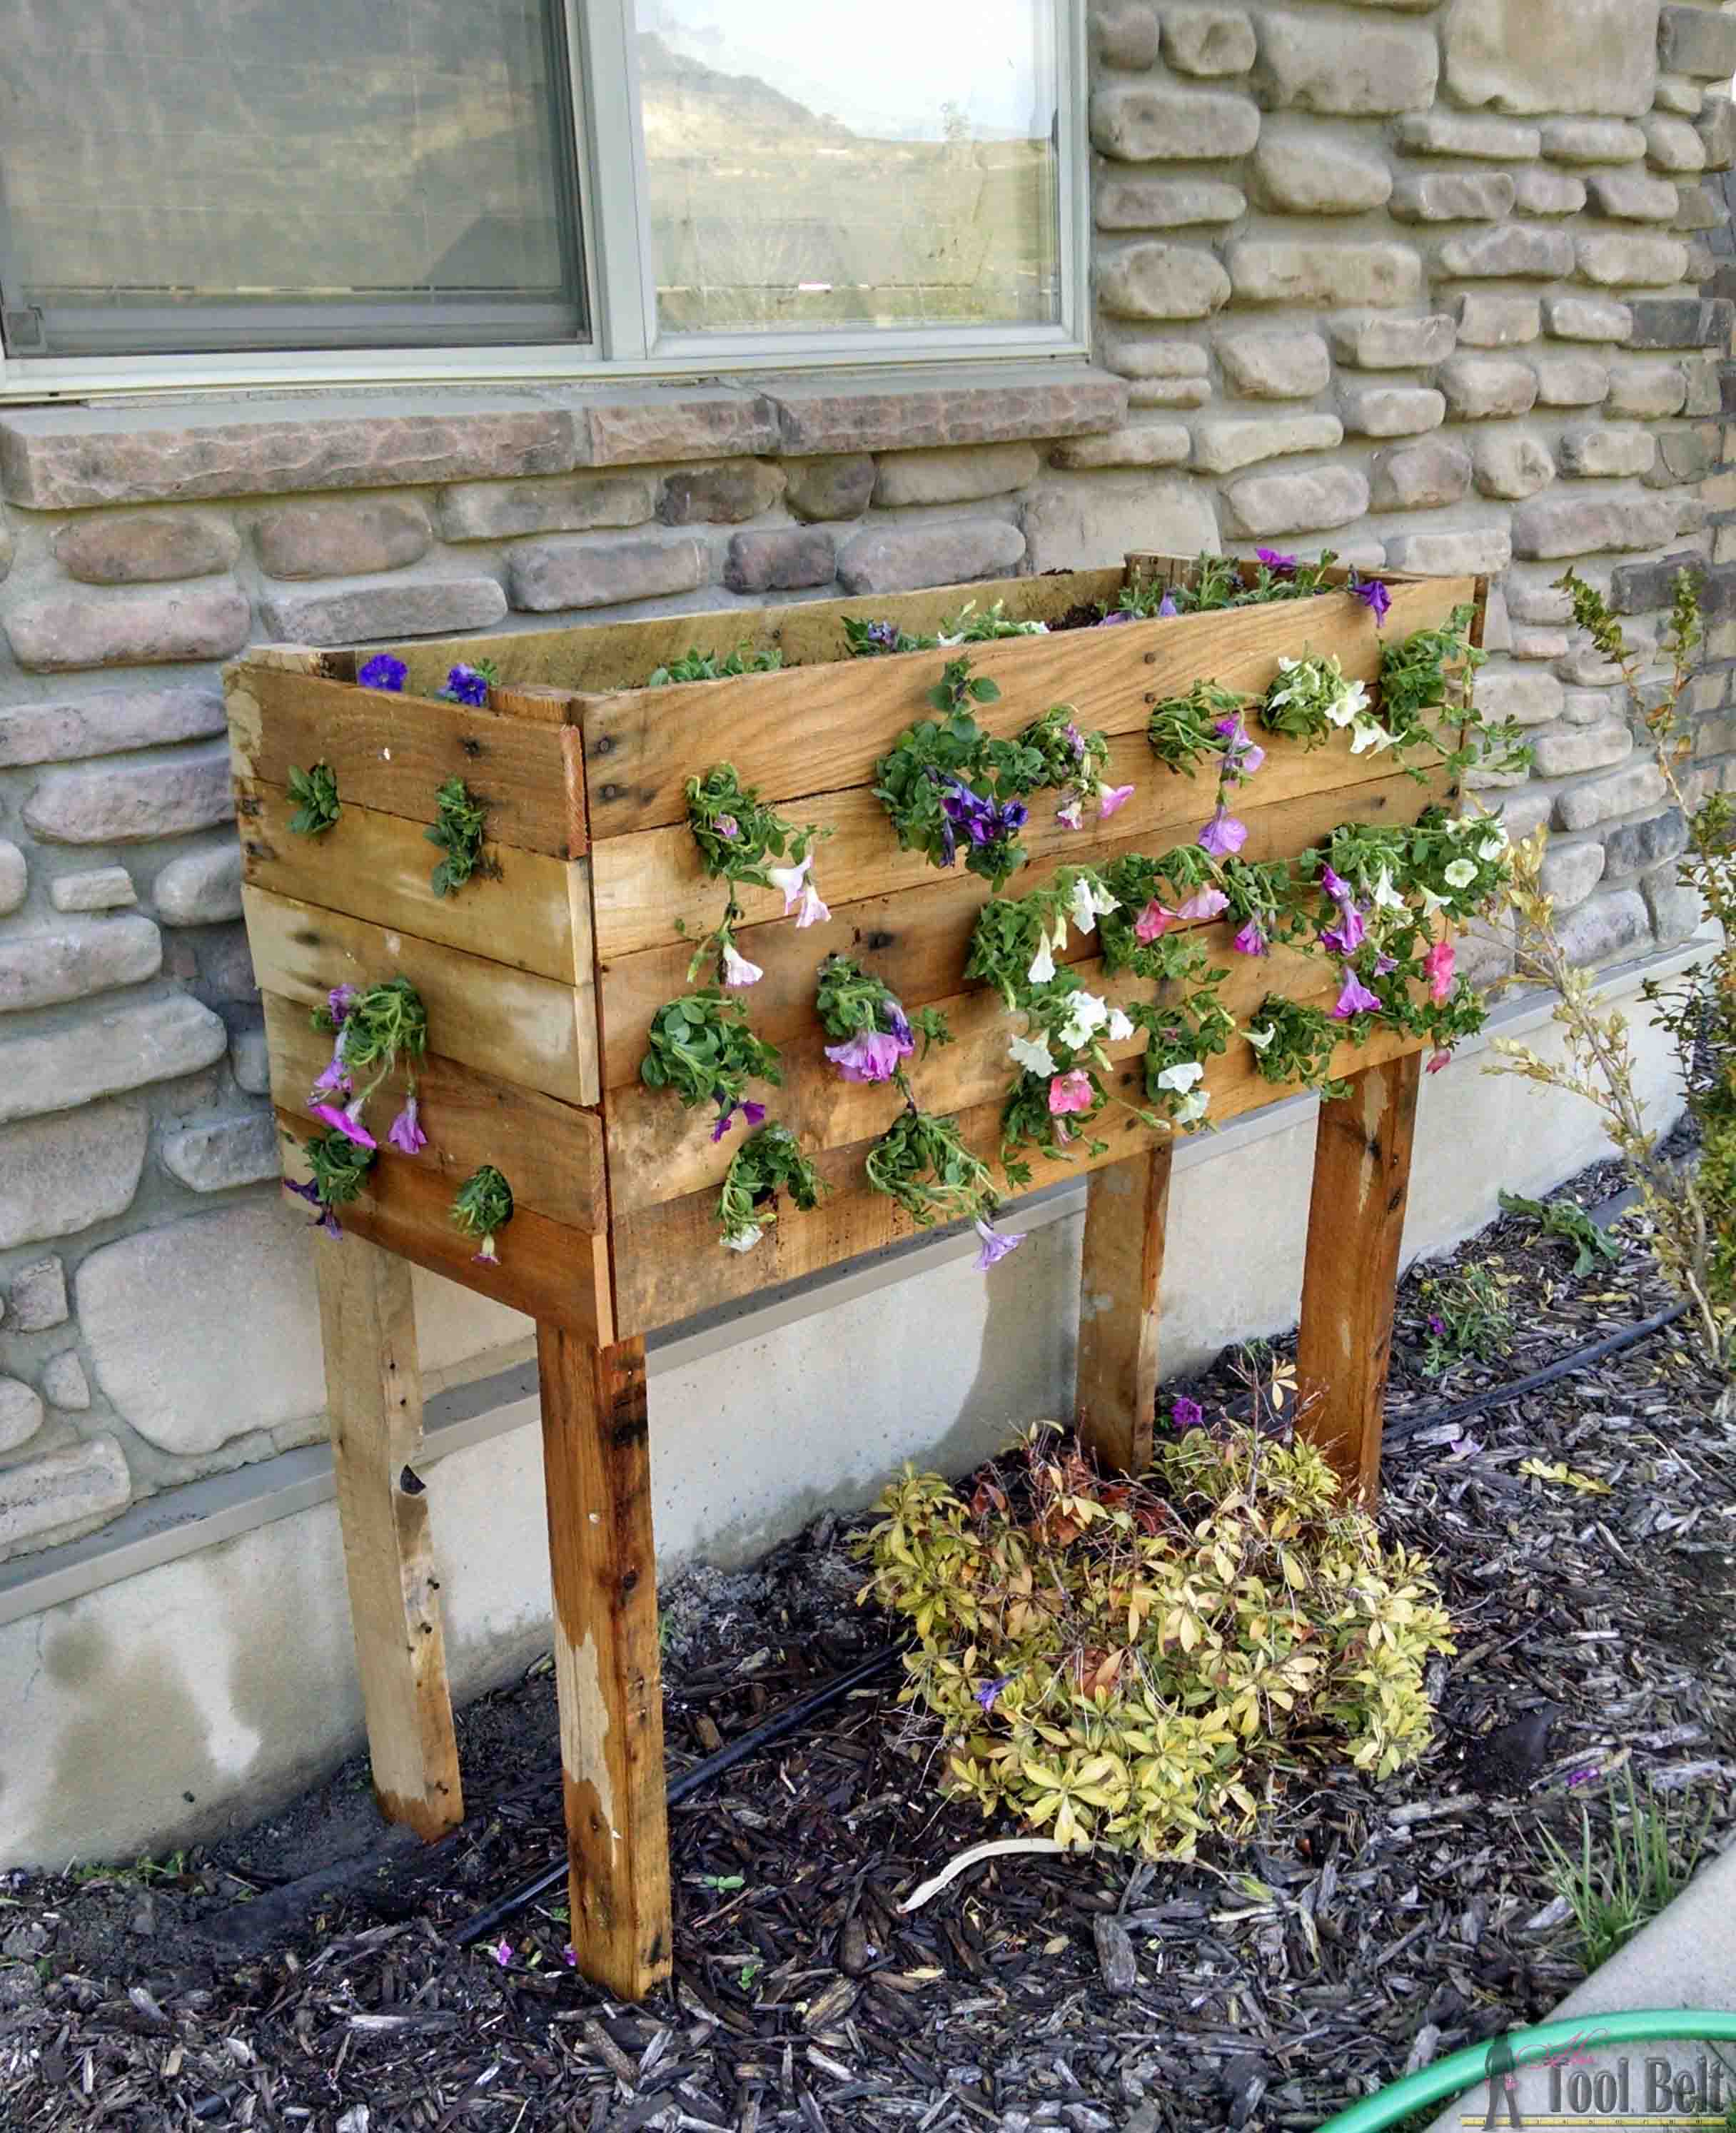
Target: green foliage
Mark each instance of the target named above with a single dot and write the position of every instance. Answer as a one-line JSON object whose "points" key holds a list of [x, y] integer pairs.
{"points": [[339, 1166], [458, 830], [701, 1046], [1183, 730], [1217, 583], [381, 1024], [738, 836], [768, 1163], [1137, 1664], [1181, 1035], [1623, 1878], [1294, 1043], [316, 794], [696, 665], [1467, 1318], [1073, 761], [482, 1206], [922, 1164], [952, 760], [1566, 1219], [956, 689], [968, 627]]}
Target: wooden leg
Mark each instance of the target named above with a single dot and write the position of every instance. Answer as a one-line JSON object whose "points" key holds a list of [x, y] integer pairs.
{"points": [[1125, 1214], [374, 1388], [1356, 1219], [596, 1474]]}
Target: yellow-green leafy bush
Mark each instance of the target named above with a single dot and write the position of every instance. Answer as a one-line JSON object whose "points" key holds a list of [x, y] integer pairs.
{"points": [[1138, 1662]]}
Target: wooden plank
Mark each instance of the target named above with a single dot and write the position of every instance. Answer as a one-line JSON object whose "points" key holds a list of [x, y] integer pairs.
{"points": [[1362, 1176], [373, 1392], [379, 867], [624, 654], [546, 1270], [650, 890], [596, 1460], [552, 1152], [916, 939], [508, 1022], [391, 752], [820, 730], [332, 665], [670, 1264], [1127, 1209]]}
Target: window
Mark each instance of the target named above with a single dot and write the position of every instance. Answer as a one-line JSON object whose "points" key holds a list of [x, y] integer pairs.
{"points": [[624, 179]]}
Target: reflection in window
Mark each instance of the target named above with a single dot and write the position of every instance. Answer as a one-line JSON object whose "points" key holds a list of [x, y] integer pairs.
{"points": [[806, 172]]}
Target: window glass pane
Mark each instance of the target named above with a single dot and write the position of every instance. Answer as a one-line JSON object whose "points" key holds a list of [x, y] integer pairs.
{"points": [[187, 174], [890, 166]]}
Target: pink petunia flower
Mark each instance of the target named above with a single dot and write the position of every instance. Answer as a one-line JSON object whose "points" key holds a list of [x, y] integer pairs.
{"points": [[1112, 799], [405, 1133], [1437, 1060], [1153, 922], [1251, 941], [738, 971], [869, 1057], [1071, 1092], [1437, 966], [1204, 904], [346, 1123]]}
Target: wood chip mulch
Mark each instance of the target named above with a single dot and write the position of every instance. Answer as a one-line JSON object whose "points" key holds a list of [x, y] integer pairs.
{"points": [[306, 1976]]}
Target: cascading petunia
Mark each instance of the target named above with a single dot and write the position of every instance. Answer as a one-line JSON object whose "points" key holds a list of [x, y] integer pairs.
{"points": [[1354, 998], [1071, 1092], [1223, 836]]}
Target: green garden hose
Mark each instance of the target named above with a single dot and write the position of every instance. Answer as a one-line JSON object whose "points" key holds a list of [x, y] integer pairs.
{"points": [[1451, 2077]]}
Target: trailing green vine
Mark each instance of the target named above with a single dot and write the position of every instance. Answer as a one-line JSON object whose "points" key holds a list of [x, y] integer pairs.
{"points": [[766, 1164], [701, 1047], [482, 1207], [458, 830]]}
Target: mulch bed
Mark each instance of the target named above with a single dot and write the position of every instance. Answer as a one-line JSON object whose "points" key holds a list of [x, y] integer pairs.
{"points": [[1372, 1927]]}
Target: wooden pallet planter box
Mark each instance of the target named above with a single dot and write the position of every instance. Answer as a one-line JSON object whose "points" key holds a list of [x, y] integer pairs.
{"points": [[540, 983]]}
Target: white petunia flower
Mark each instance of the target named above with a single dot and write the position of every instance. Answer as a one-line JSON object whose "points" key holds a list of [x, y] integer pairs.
{"points": [[1118, 1029], [1087, 902], [1042, 964], [1492, 849], [1181, 1077], [1032, 1053], [1366, 734], [1192, 1109], [1088, 1016], [1385, 895], [744, 1238], [1260, 1038], [1459, 873], [1350, 704]]}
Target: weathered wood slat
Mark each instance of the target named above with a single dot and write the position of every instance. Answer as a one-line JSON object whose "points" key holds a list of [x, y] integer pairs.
{"points": [[916, 939], [552, 1153], [533, 915], [373, 1392], [624, 654], [391, 752], [1356, 1219], [1127, 1209], [546, 1270], [822, 730], [508, 1022], [650, 889], [670, 1264], [596, 1457]]}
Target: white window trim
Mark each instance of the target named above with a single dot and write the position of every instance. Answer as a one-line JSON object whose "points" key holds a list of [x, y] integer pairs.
{"points": [[621, 284]]}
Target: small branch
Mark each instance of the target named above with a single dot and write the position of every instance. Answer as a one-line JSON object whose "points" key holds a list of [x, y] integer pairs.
{"points": [[996, 1848]]}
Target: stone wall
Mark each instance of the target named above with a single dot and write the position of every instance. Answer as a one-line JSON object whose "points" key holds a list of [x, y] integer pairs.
{"points": [[1422, 282]]}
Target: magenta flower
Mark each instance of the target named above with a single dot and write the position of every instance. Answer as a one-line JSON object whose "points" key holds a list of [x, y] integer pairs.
{"points": [[1280, 566], [1437, 967], [1355, 998], [1437, 1060], [995, 1248], [1185, 1413], [570, 1956], [868, 1057], [1374, 596], [1223, 835], [1336, 887], [382, 671], [346, 1122], [1074, 739], [405, 1134], [1153, 922], [726, 826], [1349, 933], [753, 1115], [1204, 904], [335, 1077], [1071, 1092], [503, 1953], [1110, 799], [1251, 941]]}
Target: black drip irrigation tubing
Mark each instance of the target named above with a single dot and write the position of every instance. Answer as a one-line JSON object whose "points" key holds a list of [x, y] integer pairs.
{"points": [[789, 1720], [794, 1715]]}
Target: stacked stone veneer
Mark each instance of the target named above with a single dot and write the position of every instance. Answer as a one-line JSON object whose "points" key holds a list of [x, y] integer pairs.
{"points": [[1422, 282]]}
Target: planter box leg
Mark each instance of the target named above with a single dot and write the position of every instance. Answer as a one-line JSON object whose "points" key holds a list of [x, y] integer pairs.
{"points": [[1356, 1219], [373, 1389], [1125, 1214], [597, 1475]]}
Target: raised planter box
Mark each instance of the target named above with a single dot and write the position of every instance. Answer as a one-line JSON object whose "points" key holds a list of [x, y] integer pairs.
{"points": [[540, 984]]}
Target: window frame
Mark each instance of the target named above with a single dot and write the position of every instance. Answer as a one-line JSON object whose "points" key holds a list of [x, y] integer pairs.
{"points": [[602, 100]]}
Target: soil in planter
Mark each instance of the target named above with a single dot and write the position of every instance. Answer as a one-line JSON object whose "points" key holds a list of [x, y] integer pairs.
{"points": [[1370, 1927]]}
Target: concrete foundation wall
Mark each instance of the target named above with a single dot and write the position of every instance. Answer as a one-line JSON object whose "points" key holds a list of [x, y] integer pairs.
{"points": [[173, 1703]]}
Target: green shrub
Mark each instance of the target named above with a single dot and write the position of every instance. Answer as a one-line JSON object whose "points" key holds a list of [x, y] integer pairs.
{"points": [[1136, 1663]]}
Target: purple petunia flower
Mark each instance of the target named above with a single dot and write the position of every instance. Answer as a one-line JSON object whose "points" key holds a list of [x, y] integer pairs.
{"points": [[969, 812], [1241, 756], [1280, 566], [898, 1023], [990, 1690], [1251, 940], [1223, 835], [1336, 886], [995, 1248], [1374, 596], [465, 686], [1167, 607], [309, 1192], [1115, 614], [334, 1080], [1355, 998], [752, 1114], [405, 1133], [503, 1953], [1437, 1326], [339, 1000], [346, 1122], [870, 1056], [884, 634], [1075, 740], [1185, 1413], [1110, 799], [382, 671], [726, 826]]}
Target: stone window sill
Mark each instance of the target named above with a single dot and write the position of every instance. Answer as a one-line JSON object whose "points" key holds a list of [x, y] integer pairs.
{"points": [[82, 458]]}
